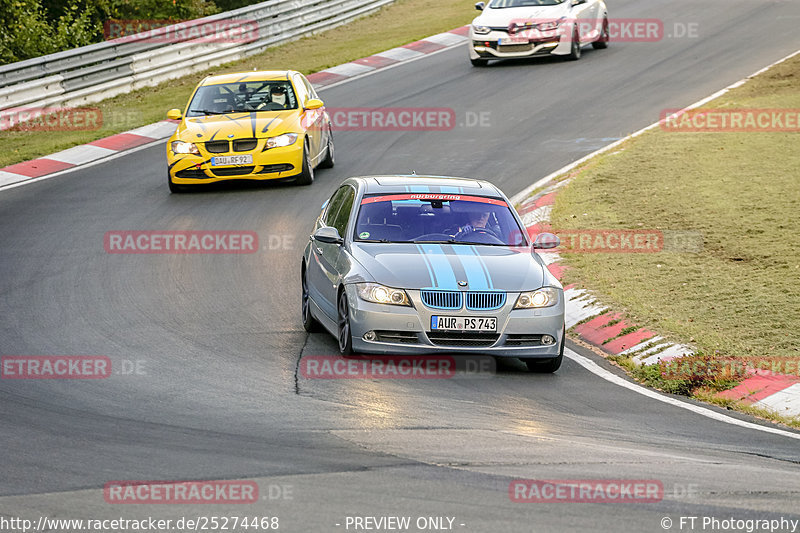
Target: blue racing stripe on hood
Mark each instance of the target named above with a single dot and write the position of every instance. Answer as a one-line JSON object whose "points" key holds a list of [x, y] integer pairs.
{"points": [[445, 277], [477, 276]]}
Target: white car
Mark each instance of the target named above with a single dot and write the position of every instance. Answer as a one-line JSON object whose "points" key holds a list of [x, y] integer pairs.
{"points": [[525, 28]]}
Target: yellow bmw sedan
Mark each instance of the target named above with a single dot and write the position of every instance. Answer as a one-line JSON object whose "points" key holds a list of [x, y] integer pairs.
{"points": [[251, 125]]}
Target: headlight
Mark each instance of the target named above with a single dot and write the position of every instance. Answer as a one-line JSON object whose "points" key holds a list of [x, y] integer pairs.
{"points": [[376, 293], [287, 139], [180, 147], [544, 297], [552, 25], [481, 30]]}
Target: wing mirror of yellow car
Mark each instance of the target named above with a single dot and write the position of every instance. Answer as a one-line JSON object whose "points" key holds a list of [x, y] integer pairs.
{"points": [[313, 103], [174, 114]]}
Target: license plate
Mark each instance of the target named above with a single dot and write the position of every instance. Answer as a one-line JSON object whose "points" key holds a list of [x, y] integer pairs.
{"points": [[463, 323], [512, 40], [231, 160]]}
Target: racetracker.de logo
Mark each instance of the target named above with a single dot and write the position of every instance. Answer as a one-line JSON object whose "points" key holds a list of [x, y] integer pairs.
{"points": [[55, 367], [388, 367], [170, 31], [586, 491], [392, 118], [180, 492], [51, 119], [180, 242], [730, 120], [619, 30], [610, 241]]}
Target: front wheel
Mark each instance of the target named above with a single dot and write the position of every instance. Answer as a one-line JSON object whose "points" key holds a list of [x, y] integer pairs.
{"points": [[306, 176], [548, 366], [345, 336], [330, 158], [479, 62], [174, 187], [310, 323], [575, 51], [605, 36]]}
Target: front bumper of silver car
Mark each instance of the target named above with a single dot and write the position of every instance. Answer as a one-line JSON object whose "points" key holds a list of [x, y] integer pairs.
{"points": [[391, 329]]}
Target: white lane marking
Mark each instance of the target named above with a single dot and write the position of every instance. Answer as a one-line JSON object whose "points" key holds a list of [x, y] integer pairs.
{"points": [[156, 130], [524, 193], [116, 155], [596, 369], [78, 155], [641, 345]]}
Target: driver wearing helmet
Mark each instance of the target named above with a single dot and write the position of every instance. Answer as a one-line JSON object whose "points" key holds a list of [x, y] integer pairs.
{"points": [[277, 94]]}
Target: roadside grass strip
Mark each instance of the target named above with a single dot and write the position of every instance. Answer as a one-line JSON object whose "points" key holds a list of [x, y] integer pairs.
{"points": [[734, 293]]}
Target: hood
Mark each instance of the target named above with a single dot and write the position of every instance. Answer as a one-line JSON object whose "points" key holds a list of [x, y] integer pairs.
{"points": [[241, 125], [501, 18], [442, 266]]}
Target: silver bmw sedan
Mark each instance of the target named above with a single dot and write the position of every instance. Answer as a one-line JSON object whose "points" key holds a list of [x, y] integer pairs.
{"points": [[427, 265]]}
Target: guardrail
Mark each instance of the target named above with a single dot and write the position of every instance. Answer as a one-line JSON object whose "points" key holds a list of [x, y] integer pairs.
{"points": [[98, 71]]}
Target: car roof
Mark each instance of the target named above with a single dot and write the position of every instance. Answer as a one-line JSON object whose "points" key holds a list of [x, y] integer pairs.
{"points": [[255, 75], [433, 184]]}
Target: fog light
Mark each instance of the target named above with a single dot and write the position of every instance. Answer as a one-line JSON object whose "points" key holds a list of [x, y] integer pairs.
{"points": [[547, 339], [370, 336]]}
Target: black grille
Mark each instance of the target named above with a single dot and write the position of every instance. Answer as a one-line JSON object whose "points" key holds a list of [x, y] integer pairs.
{"points": [[462, 339], [244, 145], [403, 337], [514, 48], [217, 147], [485, 301], [441, 299], [192, 173], [233, 171], [282, 167], [524, 340]]}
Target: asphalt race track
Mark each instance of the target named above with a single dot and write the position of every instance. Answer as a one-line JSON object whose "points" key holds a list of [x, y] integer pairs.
{"points": [[218, 337]]}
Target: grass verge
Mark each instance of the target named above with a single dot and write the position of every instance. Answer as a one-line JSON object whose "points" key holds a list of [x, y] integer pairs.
{"points": [[737, 298], [394, 25]]}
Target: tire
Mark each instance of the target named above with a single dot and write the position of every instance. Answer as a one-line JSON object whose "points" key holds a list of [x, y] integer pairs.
{"points": [[310, 323], [330, 155], [605, 37], [479, 62], [306, 176], [174, 187], [547, 366], [575, 51], [344, 336]]}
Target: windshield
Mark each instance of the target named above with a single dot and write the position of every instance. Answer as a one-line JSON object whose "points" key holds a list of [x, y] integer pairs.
{"points": [[500, 4], [242, 97], [444, 218]]}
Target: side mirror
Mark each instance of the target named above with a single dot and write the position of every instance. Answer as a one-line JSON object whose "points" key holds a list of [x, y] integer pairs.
{"points": [[328, 235], [480, 6], [546, 241], [314, 103], [174, 114]]}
